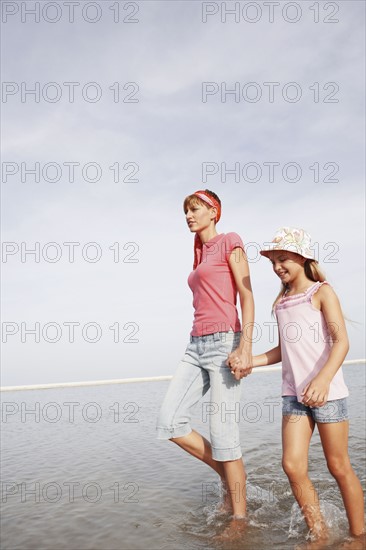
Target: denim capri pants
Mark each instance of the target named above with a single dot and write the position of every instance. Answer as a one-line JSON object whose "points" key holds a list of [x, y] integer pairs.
{"points": [[202, 368]]}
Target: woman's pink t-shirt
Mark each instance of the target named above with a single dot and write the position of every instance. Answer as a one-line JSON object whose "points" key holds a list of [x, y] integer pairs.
{"points": [[214, 289], [305, 344]]}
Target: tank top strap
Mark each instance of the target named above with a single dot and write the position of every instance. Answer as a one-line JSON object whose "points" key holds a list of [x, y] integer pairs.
{"points": [[313, 289]]}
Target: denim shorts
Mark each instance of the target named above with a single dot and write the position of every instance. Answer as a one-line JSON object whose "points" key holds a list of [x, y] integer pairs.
{"points": [[332, 411], [202, 368]]}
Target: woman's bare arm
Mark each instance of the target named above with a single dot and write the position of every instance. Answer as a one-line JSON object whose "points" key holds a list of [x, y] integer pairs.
{"points": [[240, 269]]}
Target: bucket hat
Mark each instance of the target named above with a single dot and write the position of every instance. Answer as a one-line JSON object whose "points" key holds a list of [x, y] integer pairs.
{"points": [[291, 239]]}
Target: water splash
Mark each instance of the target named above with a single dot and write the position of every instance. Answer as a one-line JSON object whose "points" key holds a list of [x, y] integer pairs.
{"points": [[260, 504], [335, 519]]}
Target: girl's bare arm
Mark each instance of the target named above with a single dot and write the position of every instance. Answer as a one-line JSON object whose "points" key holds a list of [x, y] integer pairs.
{"points": [[268, 358], [315, 394]]}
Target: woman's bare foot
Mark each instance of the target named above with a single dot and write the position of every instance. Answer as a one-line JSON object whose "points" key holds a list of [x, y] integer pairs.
{"points": [[313, 545], [234, 530]]}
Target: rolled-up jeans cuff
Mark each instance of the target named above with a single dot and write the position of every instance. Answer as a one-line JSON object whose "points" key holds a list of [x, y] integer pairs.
{"points": [[223, 455], [168, 433]]}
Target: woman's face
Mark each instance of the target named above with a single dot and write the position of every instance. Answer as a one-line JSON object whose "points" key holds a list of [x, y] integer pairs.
{"points": [[199, 217]]}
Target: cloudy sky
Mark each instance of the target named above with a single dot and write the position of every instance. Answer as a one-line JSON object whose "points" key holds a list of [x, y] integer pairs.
{"points": [[113, 112]]}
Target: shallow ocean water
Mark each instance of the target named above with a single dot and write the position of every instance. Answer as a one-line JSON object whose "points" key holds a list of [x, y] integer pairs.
{"points": [[82, 469]]}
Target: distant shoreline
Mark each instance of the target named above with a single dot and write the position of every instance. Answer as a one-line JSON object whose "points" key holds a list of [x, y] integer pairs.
{"points": [[134, 380]]}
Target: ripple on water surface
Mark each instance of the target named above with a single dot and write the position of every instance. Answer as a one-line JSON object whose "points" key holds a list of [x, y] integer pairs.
{"points": [[109, 484]]}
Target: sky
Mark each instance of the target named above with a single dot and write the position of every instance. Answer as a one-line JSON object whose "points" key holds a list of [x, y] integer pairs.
{"points": [[134, 106]]}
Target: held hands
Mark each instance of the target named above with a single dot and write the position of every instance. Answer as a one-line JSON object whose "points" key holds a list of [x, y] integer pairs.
{"points": [[240, 363], [315, 394]]}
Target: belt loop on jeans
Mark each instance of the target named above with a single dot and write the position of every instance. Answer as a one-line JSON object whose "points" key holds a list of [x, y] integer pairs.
{"points": [[191, 338], [216, 336]]}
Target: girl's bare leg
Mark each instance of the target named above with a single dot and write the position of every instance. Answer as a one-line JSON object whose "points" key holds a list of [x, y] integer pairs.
{"points": [[296, 434], [334, 438]]}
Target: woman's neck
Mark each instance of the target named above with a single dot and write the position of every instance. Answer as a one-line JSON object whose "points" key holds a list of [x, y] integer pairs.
{"points": [[207, 234]]}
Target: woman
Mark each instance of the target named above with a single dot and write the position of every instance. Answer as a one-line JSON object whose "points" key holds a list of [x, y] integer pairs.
{"points": [[220, 271]]}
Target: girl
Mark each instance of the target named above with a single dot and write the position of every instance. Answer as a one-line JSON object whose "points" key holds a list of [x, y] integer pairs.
{"points": [[220, 271], [312, 346]]}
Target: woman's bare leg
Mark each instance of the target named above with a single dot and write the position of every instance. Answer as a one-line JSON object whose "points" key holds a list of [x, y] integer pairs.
{"points": [[236, 486], [232, 476], [232, 472], [198, 446]]}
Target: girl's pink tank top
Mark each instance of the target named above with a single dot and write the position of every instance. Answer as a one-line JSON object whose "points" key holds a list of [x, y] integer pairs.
{"points": [[305, 344]]}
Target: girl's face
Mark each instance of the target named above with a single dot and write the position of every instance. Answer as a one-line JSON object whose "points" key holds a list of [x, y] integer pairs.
{"points": [[287, 265], [199, 216]]}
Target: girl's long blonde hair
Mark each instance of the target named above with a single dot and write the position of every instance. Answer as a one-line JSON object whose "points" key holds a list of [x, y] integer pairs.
{"points": [[312, 272]]}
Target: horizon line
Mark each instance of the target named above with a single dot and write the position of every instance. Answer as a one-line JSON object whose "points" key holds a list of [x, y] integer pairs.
{"points": [[133, 380]]}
